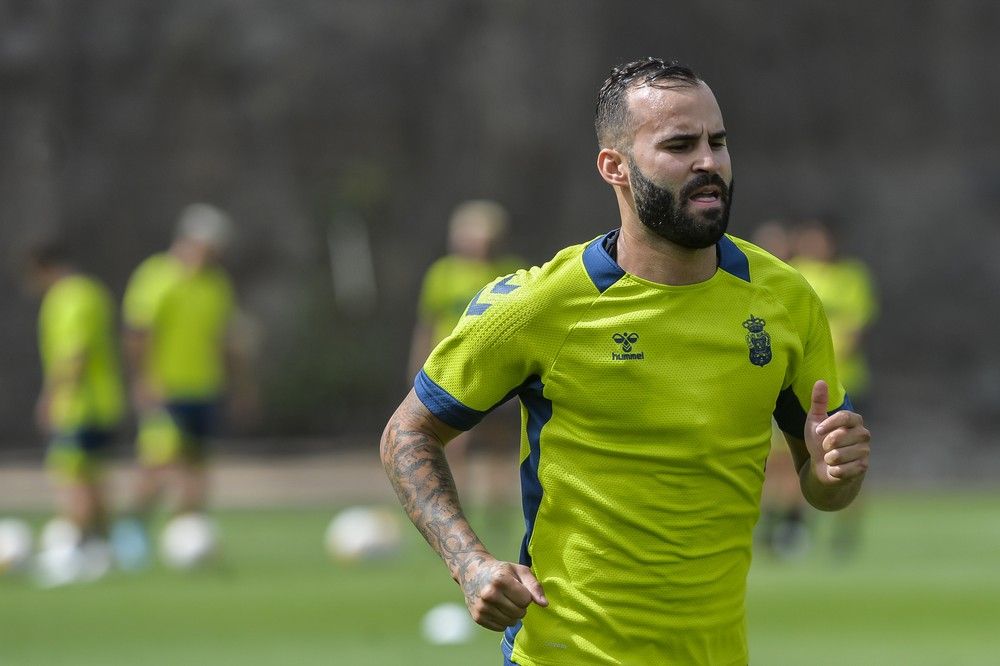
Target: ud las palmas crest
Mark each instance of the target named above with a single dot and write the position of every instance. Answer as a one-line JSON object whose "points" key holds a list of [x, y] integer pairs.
{"points": [[758, 340]]}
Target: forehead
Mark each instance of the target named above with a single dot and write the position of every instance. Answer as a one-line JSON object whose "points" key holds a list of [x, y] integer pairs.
{"points": [[681, 110]]}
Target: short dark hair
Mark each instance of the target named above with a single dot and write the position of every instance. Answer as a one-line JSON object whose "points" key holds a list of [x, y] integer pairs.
{"points": [[612, 119]]}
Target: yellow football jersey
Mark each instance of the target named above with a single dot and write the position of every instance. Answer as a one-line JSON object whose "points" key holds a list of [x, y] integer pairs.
{"points": [[646, 414], [77, 320], [186, 315]]}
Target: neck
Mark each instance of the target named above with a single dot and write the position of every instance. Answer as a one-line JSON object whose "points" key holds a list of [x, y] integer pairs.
{"points": [[188, 256], [650, 257]]}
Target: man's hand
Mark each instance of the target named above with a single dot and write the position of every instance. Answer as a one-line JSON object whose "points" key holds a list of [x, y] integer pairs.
{"points": [[498, 593], [838, 445]]}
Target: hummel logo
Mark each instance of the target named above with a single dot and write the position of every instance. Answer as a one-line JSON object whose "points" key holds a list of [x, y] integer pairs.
{"points": [[626, 340]]}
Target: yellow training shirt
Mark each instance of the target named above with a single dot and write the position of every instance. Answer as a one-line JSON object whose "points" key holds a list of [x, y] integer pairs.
{"points": [[77, 324], [646, 420], [186, 315]]}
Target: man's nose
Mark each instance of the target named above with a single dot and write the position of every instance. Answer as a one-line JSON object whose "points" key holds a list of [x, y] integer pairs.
{"points": [[706, 161]]}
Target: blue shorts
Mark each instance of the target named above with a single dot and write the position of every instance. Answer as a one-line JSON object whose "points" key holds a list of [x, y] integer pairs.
{"points": [[88, 440], [196, 420], [178, 432], [77, 455]]}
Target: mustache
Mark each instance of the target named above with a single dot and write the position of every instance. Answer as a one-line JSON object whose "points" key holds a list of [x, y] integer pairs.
{"points": [[704, 180]]}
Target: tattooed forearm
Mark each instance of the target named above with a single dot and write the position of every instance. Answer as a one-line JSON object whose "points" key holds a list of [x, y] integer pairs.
{"points": [[497, 593], [413, 456]]}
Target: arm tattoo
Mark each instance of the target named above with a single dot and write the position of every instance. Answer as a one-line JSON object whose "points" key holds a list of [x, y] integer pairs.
{"points": [[414, 460]]}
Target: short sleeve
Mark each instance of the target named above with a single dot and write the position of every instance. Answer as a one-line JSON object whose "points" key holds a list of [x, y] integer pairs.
{"points": [[497, 346], [817, 362], [144, 294]]}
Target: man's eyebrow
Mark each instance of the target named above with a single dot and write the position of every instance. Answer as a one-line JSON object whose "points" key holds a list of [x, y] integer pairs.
{"points": [[693, 137], [680, 137]]}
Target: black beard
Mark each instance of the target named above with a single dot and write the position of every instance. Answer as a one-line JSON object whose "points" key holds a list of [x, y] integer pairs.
{"points": [[662, 214]]}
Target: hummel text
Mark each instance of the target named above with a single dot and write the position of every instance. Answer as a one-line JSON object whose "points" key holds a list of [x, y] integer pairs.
{"points": [[637, 356]]}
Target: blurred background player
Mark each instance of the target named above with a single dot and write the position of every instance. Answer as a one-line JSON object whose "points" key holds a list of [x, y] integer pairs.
{"points": [[178, 309], [476, 232], [82, 398], [845, 287], [782, 528]]}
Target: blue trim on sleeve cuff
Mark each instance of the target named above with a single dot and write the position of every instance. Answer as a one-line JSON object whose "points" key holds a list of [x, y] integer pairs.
{"points": [[790, 416], [443, 405]]}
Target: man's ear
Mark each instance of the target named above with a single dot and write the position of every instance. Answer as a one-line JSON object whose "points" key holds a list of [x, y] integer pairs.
{"points": [[612, 167]]}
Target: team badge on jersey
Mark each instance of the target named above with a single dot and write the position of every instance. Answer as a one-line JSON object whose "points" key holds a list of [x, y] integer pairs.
{"points": [[758, 340]]}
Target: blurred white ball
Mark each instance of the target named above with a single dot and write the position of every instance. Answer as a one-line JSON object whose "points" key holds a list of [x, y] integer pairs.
{"points": [[96, 559], [188, 540], [59, 565], [15, 544], [59, 533], [363, 533], [59, 560], [447, 624]]}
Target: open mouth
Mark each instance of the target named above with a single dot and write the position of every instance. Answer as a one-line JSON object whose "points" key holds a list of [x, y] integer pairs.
{"points": [[710, 194]]}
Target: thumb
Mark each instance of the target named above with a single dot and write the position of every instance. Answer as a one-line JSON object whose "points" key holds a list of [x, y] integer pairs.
{"points": [[820, 398], [531, 584]]}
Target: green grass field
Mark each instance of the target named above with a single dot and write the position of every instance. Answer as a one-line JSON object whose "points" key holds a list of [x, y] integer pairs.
{"points": [[925, 590]]}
